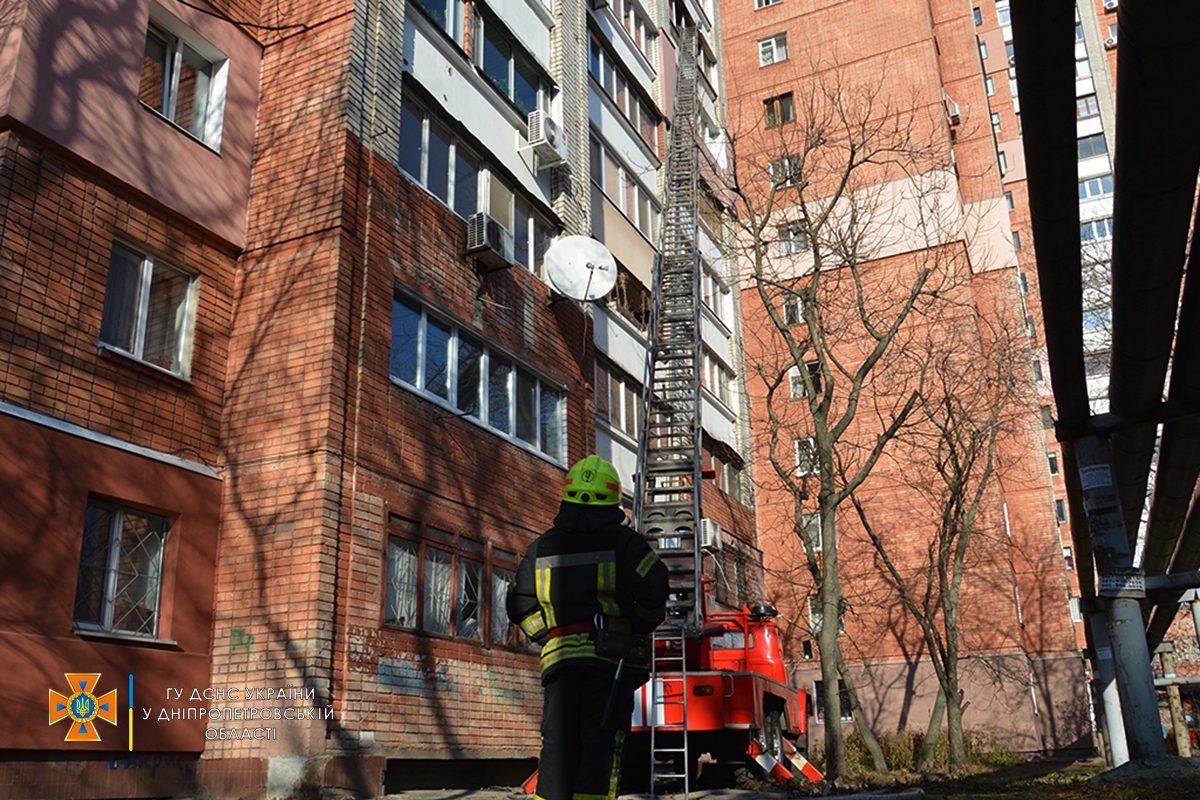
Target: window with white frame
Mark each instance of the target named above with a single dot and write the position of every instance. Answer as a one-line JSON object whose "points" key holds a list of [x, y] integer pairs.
{"points": [[819, 702], [447, 14], [607, 70], [816, 618], [448, 584], [810, 529], [996, 124], [1002, 160], [640, 28], [1083, 69], [453, 367], [1096, 229], [807, 460], [786, 171], [1087, 106], [437, 158], [624, 189], [1090, 146], [120, 570], [514, 73], [983, 50], [1099, 186], [715, 295], [764, 3], [796, 386], [791, 311], [149, 310], [989, 85], [183, 78], [716, 377], [792, 238], [618, 399], [772, 50], [1003, 14]]}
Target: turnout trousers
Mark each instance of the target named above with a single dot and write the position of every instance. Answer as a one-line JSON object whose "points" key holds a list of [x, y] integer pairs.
{"points": [[581, 760]]}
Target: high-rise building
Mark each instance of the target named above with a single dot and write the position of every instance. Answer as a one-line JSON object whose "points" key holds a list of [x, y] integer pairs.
{"points": [[286, 391], [947, 190]]}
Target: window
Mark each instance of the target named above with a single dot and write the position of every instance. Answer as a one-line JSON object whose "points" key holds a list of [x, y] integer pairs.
{"points": [[514, 73], [618, 399], [1095, 364], [183, 79], [1037, 370], [978, 15], [791, 311], [640, 29], [1023, 280], [437, 582], [438, 159], [989, 85], [796, 380], [448, 14], [1052, 460], [1008, 201], [1078, 32], [1096, 229], [785, 171], [608, 72], [1016, 240], [1090, 146], [1086, 106], [793, 238], [625, 190], [1047, 417], [816, 617], [1082, 68], [120, 570], [454, 368], [807, 460], [1100, 186], [1076, 616], [779, 109], [1010, 53], [1060, 510], [772, 50], [1002, 160], [1030, 329], [810, 529], [1068, 557], [149, 310], [764, 3], [996, 124], [714, 293], [1003, 15], [715, 377], [983, 51]]}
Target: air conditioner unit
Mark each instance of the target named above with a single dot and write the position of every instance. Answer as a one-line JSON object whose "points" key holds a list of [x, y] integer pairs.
{"points": [[1110, 43], [547, 139], [489, 241], [1012, 61], [953, 113], [710, 535], [1110, 5]]}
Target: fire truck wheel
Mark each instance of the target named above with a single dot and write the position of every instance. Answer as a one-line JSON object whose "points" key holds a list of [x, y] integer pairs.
{"points": [[773, 732]]}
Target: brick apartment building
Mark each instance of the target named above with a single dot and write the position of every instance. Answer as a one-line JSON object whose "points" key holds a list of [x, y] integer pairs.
{"points": [[277, 441], [945, 67]]}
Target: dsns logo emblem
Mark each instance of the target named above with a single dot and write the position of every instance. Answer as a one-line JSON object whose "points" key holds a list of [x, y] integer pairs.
{"points": [[82, 707]]}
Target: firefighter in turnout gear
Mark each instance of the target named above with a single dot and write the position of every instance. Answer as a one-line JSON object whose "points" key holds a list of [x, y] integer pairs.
{"points": [[590, 571]]}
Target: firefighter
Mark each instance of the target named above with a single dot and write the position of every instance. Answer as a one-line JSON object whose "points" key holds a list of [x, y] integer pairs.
{"points": [[590, 567]]}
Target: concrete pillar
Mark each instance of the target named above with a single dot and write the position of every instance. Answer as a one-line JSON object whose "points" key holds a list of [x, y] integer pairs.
{"points": [[1183, 745], [1122, 588], [1114, 726]]}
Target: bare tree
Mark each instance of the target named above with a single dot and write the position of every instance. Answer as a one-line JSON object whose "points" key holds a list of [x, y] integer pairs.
{"points": [[951, 453], [849, 236]]}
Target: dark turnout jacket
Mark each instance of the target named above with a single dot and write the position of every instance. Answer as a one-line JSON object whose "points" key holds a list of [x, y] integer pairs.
{"points": [[591, 562]]}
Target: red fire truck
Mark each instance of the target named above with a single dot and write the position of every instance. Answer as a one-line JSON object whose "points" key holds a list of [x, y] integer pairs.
{"points": [[740, 703]]}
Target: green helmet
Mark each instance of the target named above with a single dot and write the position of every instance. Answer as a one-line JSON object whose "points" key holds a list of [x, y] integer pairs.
{"points": [[592, 482]]}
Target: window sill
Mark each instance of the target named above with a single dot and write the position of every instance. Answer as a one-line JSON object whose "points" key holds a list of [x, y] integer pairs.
{"points": [[116, 637], [214, 150], [446, 637], [105, 347]]}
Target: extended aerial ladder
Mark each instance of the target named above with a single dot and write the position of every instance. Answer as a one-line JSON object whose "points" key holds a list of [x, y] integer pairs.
{"points": [[668, 499]]}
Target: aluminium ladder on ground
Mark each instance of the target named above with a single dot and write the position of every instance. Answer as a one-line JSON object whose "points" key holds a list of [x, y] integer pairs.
{"points": [[668, 510]]}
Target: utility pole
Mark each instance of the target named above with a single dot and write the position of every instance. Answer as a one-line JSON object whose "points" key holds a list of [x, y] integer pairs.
{"points": [[1121, 590], [1106, 680]]}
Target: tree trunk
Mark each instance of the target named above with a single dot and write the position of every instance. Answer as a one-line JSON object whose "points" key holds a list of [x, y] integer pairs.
{"points": [[835, 745], [932, 734], [860, 720], [954, 728]]}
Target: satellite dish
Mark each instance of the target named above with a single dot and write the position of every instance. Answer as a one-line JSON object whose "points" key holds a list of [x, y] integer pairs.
{"points": [[581, 268]]}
